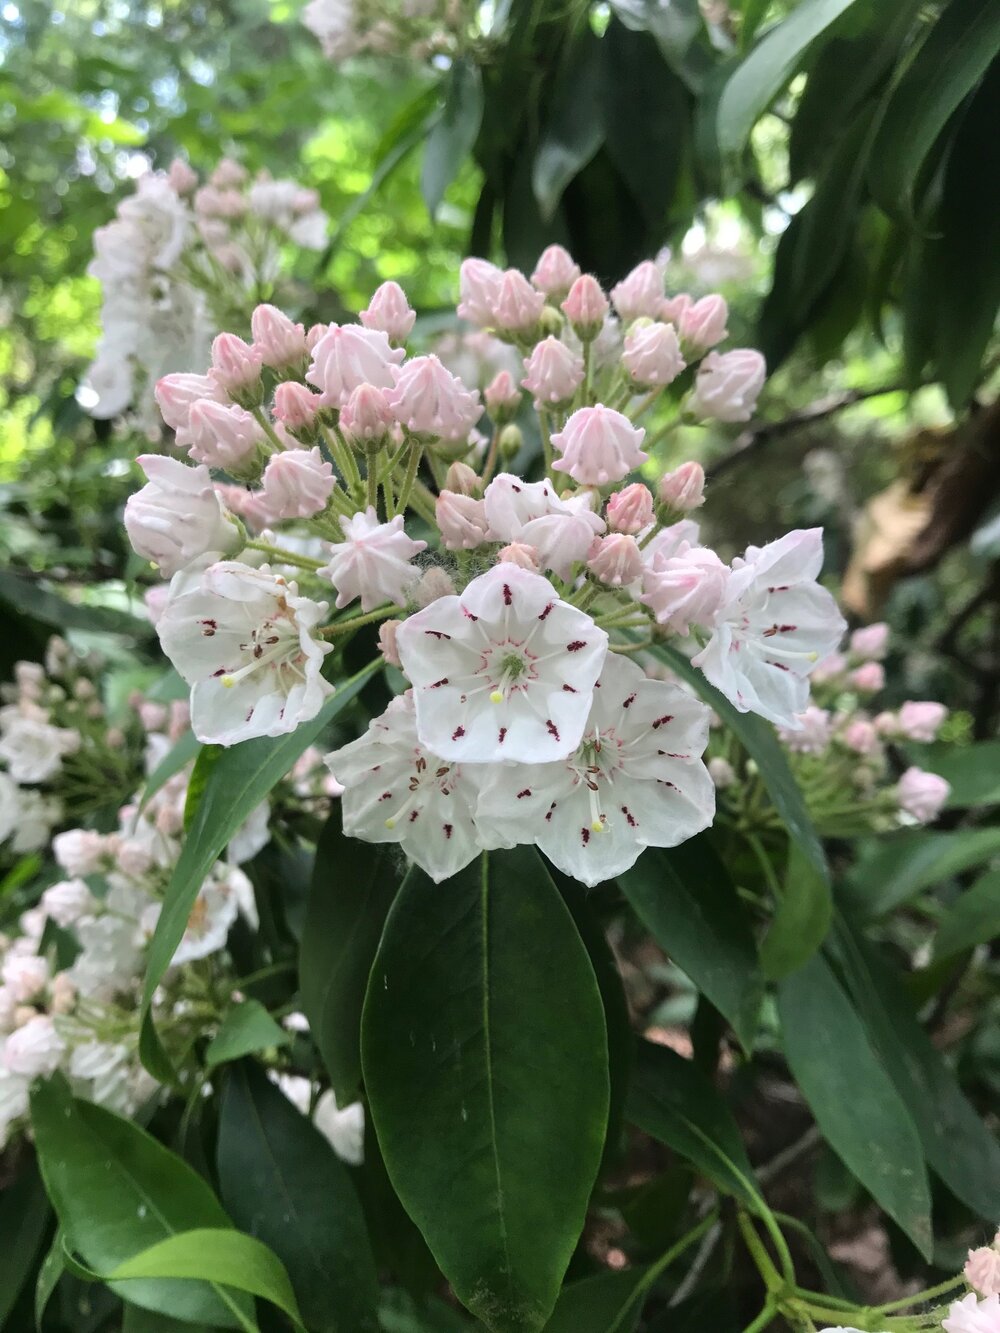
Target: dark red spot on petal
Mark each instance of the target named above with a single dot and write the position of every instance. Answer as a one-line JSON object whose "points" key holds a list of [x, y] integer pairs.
{"points": [[570, 689], [508, 596], [468, 614], [548, 813], [521, 794], [551, 728], [458, 733], [630, 817], [546, 611], [576, 645], [437, 633], [447, 830], [386, 795], [780, 665], [585, 835], [501, 735], [413, 815], [627, 703], [662, 721]]}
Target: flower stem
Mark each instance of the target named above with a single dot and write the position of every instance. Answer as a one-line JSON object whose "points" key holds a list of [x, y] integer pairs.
{"points": [[355, 622], [286, 557]]}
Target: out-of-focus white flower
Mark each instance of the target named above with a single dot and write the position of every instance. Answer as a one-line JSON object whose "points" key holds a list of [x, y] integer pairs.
{"points": [[176, 518], [33, 750]]}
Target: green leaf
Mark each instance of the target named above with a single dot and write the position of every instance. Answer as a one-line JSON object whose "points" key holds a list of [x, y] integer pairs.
{"points": [[898, 867], [117, 1191], [574, 130], [219, 1255], [686, 900], [769, 67], [974, 918], [802, 919], [352, 889], [24, 1217], [51, 1270], [599, 1304], [245, 1027], [956, 54], [957, 1144], [454, 135], [283, 1183], [672, 1100], [856, 1106], [759, 740], [239, 780], [484, 1045], [972, 771], [35, 601]]}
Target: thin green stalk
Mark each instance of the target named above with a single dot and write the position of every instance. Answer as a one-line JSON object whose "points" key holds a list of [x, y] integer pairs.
{"points": [[355, 622], [286, 557], [654, 1271], [766, 1316], [409, 477]]}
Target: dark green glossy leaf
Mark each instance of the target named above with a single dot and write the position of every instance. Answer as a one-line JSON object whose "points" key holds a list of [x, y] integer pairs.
{"points": [[574, 130], [857, 1108], [240, 778], [974, 918], [672, 1100], [687, 901], [896, 868], [24, 1217], [957, 52], [245, 1028], [33, 600], [598, 1304], [116, 1191], [801, 920], [51, 1270], [353, 885], [484, 1045], [451, 140], [282, 1182]]}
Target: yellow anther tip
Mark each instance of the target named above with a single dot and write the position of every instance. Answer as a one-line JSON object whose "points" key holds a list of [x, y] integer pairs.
{"points": [[228, 682], [597, 826], [390, 823], [496, 697]]}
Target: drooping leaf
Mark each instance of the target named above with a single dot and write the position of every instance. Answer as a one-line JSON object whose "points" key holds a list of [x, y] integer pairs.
{"points": [[801, 920], [353, 885], [574, 130], [116, 1191], [955, 55], [769, 67], [974, 918], [245, 1027], [483, 1043], [453, 136], [687, 901], [856, 1106], [672, 1100], [282, 1182], [239, 780]]}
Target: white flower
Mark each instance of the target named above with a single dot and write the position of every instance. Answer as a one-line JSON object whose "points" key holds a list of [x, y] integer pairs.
{"points": [[13, 1101], [242, 639], [344, 1130], [176, 517], [332, 22], [530, 513], [35, 1048], [251, 837], [220, 899], [67, 901], [25, 975], [33, 749], [775, 623], [26, 816], [374, 562], [99, 1070], [505, 671], [970, 1315], [636, 780], [395, 791], [79, 851], [685, 588]]}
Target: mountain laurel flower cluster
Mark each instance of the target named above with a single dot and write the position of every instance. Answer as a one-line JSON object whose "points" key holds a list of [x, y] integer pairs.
{"points": [[333, 466], [848, 756], [178, 262], [417, 29]]}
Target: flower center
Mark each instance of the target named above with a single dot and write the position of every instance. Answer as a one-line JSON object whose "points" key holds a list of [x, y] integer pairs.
{"points": [[598, 757], [442, 775], [267, 645], [512, 668]]}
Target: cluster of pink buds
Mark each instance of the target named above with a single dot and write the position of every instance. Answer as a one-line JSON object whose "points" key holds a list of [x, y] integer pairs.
{"points": [[846, 755], [332, 465], [418, 29]]}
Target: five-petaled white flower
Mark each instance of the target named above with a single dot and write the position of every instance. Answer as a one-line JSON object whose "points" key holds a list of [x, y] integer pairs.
{"points": [[242, 639], [774, 624], [396, 791], [636, 780], [505, 671], [374, 562]]}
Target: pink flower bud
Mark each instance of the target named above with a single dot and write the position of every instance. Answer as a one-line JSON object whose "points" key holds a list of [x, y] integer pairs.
{"points": [[390, 311], [175, 395], [871, 641], [520, 554], [502, 396], [295, 406], [229, 173], [982, 1270], [462, 521], [686, 588], [479, 286], [34, 1049], [279, 341], [434, 584], [921, 794], [235, 364], [297, 484], [671, 309], [860, 736], [684, 488], [367, 416], [652, 355], [631, 509], [829, 668], [722, 773], [868, 678], [598, 445], [616, 559], [886, 723], [921, 721], [347, 356], [639, 293], [728, 385], [314, 333], [62, 996], [703, 324], [387, 642], [517, 306], [586, 307], [153, 716], [181, 177], [224, 437], [554, 373], [555, 272], [462, 479], [429, 400]]}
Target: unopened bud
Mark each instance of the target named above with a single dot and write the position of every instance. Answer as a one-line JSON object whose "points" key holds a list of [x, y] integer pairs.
{"points": [[683, 489], [510, 441], [462, 479]]}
